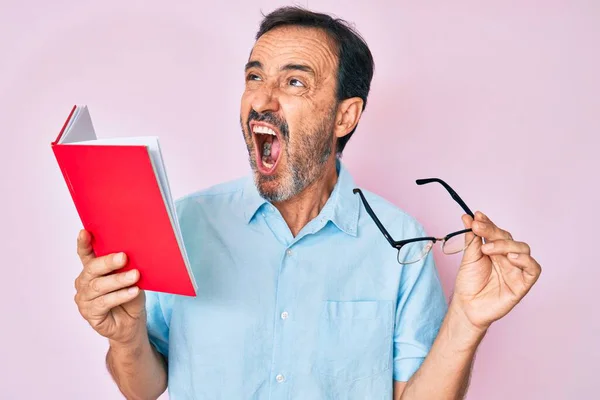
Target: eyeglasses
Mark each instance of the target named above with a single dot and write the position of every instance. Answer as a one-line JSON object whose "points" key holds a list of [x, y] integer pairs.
{"points": [[414, 250]]}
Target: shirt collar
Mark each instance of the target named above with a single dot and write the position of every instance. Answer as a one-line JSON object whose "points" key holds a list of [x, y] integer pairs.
{"points": [[341, 208], [252, 199]]}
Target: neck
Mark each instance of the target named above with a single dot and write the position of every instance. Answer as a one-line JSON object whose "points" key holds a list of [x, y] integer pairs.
{"points": [[302, 208]]}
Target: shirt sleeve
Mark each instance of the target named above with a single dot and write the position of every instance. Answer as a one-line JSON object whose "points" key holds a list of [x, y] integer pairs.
{"points": [[158, 311], [420, 311]]}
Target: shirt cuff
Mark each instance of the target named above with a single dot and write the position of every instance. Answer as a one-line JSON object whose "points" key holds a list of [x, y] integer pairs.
{"points": [[405, 368]]}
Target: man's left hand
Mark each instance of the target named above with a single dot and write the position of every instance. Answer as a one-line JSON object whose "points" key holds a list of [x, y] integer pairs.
{"points": [[493, 277]]}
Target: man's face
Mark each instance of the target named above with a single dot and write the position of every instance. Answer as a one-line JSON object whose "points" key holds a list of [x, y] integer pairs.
{"points": [[288, 109]]}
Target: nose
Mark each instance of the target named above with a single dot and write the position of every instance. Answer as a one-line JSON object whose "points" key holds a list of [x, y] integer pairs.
{"points": [[265, 100]]}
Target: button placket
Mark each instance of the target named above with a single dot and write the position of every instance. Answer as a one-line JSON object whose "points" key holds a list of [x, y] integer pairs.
{"points": [[283, 331]]}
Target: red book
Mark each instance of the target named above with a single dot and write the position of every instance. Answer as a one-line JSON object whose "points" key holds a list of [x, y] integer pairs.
{"points": [[120, 189]]}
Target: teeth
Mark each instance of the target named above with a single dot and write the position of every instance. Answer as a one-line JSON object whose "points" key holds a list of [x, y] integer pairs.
{"points": [[264, 130], [266, 163]]}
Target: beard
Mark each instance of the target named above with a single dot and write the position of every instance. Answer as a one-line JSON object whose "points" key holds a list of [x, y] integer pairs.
{"points": [[304, 158]]}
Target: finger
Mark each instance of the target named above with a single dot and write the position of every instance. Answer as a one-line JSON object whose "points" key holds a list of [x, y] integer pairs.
{"points": [[484, 218], [489, 230], [106, 284], [84, 246], [531, 268], [100, 266], [479, 216], [503, 246], [100, 306]]}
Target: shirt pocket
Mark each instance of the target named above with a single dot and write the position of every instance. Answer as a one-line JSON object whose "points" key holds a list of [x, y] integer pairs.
{"points": [[354, 339]]}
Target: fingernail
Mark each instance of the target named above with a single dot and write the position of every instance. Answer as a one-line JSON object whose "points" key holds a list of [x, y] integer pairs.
{"points": [[119, 258], [487, 246], [513, 255], [131, 275], [132, 290]]}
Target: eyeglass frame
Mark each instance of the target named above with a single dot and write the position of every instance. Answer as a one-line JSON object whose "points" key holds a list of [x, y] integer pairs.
{"points": [[398, 244]]}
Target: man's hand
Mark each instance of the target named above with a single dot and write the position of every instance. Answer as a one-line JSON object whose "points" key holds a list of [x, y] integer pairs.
{"points": [[490, 282], [493, 277], [109, 302]]}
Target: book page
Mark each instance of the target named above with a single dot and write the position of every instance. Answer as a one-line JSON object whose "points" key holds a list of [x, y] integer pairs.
{"points": [[161, 171], [79, 128]]}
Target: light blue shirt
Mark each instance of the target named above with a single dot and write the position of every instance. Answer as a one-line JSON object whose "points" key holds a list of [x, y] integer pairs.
{"points": [[328, 314]]}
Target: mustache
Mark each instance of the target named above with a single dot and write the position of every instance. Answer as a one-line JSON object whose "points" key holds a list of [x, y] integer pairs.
{"points": [[272, 119]]}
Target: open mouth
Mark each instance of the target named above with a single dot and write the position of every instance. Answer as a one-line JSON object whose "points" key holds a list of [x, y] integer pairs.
{"points": [[268, 146]]}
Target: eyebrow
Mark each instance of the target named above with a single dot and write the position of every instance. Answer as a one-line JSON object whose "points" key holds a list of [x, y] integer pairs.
{"points": [[253, 64], [298, 67], [287, 67]]}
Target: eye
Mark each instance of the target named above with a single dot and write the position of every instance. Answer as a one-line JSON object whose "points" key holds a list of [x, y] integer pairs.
{"points": [[296, 83], [252, 77]]}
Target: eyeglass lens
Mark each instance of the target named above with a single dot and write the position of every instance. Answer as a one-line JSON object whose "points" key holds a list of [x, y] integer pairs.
{"points": [[414, 252]]}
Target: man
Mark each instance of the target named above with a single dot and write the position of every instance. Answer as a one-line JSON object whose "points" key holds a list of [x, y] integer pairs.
{"points": [[300, 296]]}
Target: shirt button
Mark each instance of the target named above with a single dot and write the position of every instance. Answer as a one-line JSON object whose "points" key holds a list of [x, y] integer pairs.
{"points": [[289, 252], [280, 378], [284, 315]]}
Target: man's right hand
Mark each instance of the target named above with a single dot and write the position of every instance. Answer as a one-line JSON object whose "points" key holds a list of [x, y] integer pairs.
{"points": [[109, 301]]}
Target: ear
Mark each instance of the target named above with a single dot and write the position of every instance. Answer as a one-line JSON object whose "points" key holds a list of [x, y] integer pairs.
{"points": [[347, 116]]}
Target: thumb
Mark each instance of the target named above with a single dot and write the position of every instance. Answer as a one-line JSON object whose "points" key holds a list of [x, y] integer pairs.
{"points": [[473, 243]]}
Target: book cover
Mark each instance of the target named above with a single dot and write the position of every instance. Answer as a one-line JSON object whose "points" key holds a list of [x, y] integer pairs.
{"points": [[120, 191]]}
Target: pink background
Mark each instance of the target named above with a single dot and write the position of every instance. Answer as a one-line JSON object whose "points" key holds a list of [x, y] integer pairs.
{"points": [[499, 98]]}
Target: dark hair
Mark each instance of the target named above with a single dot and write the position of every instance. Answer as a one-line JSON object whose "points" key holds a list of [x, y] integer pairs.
{"points": [[355, 62]]}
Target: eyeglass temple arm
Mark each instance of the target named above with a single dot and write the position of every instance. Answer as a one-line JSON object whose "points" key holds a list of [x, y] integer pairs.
{"points": [[374, 217], [454, 195]]}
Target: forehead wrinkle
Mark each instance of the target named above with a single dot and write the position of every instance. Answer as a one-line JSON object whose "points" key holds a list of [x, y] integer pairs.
{"points": [[296, 48]]}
